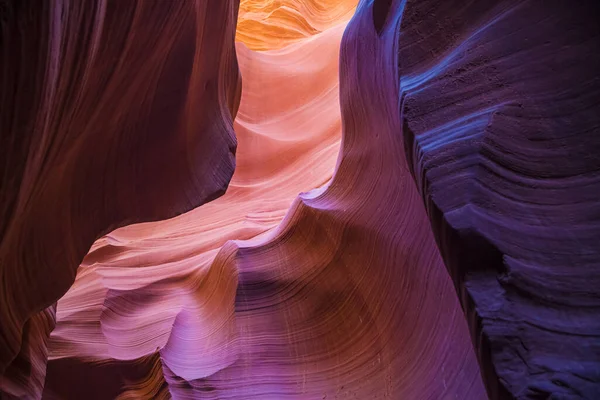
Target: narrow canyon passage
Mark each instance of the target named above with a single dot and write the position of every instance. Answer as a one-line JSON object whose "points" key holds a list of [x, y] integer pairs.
{"points": [[299, 199], [288, 129], [283, 309]]}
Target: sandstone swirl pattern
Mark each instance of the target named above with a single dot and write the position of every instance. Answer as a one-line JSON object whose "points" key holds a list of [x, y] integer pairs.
{"points": [[346, 298], [102, 103], [273, 24], [322, 306], [158, 286], [400, 164]]}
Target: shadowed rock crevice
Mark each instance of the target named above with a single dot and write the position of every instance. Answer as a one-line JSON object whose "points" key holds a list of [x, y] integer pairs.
{"points": [[381, 9]]}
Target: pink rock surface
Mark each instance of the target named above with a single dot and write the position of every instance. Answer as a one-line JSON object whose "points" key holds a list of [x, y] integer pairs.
{"points": [[347, 297], [401, 164], [147, 287]]}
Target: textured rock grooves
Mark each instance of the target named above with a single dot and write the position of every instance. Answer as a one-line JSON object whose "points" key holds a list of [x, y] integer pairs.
{"points": [[332, 303], [501, 123], [102, 103], [467, 123]]}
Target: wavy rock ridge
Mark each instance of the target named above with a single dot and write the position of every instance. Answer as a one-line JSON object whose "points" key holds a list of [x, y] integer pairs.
{"points": [[466, 184], [273, 24], [145, 287], [501, 123], [102, 103], [303, 302]]}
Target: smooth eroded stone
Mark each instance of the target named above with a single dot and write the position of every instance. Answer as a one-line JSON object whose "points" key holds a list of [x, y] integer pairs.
{"points": [[113, 112]]}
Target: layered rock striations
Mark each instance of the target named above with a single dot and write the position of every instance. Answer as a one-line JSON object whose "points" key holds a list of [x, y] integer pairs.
{"points": [[152, 297], [500, 107], [446, 159], [346, 298], [273, 24], [113, 112], [331, 302]]}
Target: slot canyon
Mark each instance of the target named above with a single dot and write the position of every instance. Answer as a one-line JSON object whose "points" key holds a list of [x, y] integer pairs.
{"points": [[300, 199]]}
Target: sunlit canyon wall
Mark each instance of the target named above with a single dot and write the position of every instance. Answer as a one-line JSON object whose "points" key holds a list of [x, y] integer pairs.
{"points": [[397, 166]]}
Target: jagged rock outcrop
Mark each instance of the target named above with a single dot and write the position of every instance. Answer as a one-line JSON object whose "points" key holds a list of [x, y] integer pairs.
{"points": [[113, 112]]}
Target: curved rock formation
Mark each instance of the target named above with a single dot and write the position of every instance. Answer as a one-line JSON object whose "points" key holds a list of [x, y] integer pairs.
{"points": [[145, 287], [112, 113], [467, 165], [345, 298], [501, 125], [273, 24]]}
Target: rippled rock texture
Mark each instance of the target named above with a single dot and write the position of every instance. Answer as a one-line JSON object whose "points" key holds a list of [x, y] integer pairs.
{"points": [[113, 112], [158, 286], [439, 148], [501, 125]]}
